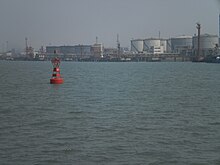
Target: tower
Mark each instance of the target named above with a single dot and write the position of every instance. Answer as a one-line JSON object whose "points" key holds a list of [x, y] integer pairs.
{"points": [[26, 46], [29, 51], [96, 40], [118, 46], [198, 27]]}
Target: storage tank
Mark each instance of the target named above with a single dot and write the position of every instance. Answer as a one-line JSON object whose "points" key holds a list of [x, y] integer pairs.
{"points": [[182, 45], [207, 41], [181, 42], [207, 44], [151, 43], [137, 45], [163, 43], [169, 47]]}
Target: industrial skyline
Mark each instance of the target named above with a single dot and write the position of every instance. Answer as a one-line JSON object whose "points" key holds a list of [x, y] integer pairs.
{"points": [[70, 22]]}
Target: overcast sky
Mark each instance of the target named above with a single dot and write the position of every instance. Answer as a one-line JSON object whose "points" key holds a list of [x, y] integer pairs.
{"points": [[71, 22]]}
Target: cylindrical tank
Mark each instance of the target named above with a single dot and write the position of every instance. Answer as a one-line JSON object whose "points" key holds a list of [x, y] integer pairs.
{"points": [[207, 41], [151, 42], [163, 43], [137, 45], [181, 42]]}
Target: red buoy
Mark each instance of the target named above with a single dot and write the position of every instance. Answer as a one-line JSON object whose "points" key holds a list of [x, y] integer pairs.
{"points": [[56, 77]]}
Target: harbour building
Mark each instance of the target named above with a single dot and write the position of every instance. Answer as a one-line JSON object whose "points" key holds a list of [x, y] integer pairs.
{"points": [[82, 51], [51, 49], [77, 51], [97, 51]]}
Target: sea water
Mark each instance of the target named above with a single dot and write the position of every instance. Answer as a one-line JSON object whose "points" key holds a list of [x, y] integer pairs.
{"points": [[110, 113]]}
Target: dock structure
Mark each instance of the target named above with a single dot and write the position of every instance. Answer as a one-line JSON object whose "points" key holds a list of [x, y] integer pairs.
{"points": [[152, 58]]}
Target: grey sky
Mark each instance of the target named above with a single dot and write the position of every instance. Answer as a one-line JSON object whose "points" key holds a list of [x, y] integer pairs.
{"points": [[70, 22]]}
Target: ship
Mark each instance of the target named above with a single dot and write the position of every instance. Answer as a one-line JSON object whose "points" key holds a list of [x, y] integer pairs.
{"points": [[212, 59]]}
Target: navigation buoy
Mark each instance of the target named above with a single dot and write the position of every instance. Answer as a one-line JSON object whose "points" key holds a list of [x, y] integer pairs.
{"points": [[56, 77]]}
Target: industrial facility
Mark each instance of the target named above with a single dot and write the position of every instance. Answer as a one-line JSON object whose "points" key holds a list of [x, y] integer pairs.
{"points": [[179, 48], [181, 45], [200, 45]]}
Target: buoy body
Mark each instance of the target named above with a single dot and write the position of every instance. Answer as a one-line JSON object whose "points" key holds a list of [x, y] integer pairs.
{"points": [[56, 77], [56, 81]]}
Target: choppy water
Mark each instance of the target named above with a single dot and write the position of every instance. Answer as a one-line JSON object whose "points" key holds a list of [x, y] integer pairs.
{"points": [[110, 113]]}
